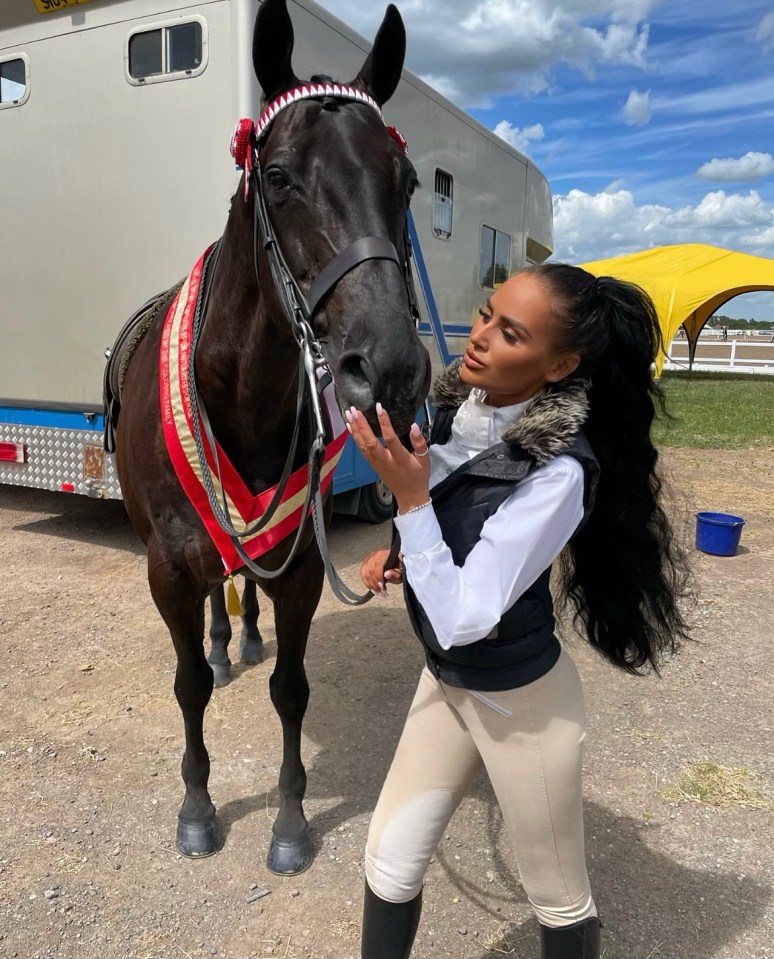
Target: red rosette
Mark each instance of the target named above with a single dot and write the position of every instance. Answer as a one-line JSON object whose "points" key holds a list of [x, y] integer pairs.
{"points": [[241, 141], [398, 138]]}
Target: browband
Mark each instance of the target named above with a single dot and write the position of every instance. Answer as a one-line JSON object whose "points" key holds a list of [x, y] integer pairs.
{"points": [[308, 91], [246, 133]]}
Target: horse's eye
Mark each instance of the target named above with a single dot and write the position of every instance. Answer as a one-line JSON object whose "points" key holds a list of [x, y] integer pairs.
{"points": [[276, 178]]}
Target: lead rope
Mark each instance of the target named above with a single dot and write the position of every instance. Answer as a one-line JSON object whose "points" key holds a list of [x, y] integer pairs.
{"points": [[292, 300], [223, 514], [310, 359]]}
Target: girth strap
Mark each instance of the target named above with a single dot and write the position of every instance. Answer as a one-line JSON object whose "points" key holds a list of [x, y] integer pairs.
{"points": [[366, 248]]}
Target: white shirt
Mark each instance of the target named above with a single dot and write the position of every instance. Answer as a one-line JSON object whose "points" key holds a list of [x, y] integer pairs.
{"points": [[517, 543]]}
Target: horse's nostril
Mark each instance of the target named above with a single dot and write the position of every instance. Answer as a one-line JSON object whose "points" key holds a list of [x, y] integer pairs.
{"points": [[354, 366], [355, 381]]}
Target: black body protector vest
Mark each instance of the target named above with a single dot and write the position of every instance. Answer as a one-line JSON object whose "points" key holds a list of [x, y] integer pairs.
{"points": [[522, 647]]}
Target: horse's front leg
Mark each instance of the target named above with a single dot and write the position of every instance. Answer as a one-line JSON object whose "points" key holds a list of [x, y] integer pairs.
{"points": [[182, 607], [295, 600]]}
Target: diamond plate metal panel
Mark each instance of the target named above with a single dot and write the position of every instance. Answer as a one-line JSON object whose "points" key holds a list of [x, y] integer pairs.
{"points": [[56, 458]]}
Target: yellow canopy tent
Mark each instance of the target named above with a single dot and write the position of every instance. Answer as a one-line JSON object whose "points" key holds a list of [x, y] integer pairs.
{"points": [[688, 283]]}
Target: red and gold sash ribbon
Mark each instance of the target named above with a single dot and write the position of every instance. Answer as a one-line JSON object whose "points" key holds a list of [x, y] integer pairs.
{"points": [[177, 411]]}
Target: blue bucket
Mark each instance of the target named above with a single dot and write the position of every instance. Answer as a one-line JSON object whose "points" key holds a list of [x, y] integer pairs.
{"points": [[718, 533]]}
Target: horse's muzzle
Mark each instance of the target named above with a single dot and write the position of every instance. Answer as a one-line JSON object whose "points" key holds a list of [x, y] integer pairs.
{"points": [[401, 386]]}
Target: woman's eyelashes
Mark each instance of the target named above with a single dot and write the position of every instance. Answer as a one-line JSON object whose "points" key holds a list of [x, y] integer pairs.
{"points": [[509, 334]]}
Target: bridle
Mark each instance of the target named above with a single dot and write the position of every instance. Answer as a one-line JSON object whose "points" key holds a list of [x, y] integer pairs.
{"points": [[299, 310]]}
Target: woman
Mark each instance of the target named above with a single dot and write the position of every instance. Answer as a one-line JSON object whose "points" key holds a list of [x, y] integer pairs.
{"points": [[541, 441]]}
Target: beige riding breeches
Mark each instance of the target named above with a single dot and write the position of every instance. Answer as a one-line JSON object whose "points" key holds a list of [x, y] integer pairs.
{"points": [[530, 740]]}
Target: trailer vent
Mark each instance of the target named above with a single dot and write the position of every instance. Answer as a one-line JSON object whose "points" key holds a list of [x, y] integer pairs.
{"points": [[442, 204]]}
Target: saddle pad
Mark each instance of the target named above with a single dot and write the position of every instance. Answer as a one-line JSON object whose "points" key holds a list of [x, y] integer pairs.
{"points": [[119, 357]]}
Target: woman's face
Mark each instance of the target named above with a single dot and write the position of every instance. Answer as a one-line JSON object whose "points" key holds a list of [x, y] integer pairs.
{"points": [[511, 352]]}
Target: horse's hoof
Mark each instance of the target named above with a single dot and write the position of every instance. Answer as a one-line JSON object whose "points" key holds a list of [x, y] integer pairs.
{"points": [[290, 858], [221, 675], [196, 840], [251, 651]]}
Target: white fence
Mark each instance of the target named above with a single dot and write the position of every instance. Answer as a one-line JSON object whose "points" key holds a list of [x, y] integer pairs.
{"points": [[732, 356]]}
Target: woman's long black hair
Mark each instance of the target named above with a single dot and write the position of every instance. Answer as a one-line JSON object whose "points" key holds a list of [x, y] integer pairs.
{"points": [[624, 571]]}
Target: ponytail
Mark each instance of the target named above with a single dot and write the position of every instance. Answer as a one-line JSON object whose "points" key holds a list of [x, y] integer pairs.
{"points": [[624, 571]]}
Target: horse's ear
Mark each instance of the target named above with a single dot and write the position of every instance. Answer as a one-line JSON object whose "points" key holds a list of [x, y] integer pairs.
{"points": [[380, 73], [273, 48]]}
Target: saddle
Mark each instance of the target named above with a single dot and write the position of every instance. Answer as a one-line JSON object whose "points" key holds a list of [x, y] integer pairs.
{"points": [[120, 354]]}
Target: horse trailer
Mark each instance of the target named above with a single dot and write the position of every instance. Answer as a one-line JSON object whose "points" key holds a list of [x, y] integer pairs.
{"points": [[115, 121]]}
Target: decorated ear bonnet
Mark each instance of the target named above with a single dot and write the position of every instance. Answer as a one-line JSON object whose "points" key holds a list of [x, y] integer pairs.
{"points": [[248, 134]]}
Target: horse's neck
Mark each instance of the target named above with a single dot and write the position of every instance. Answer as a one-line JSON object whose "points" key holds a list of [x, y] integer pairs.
{"points": [[247, 360]]}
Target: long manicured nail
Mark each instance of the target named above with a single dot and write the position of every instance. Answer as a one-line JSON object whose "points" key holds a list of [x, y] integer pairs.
{"points": [[349, 416], [379, 409], [348, 427], [415, 431]]}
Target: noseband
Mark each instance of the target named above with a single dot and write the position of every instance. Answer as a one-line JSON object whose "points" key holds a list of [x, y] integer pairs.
{"points": [[300, 310]]}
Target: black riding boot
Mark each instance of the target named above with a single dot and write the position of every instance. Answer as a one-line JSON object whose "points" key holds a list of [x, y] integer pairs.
{"points": [[388, 927], [578, 941]]}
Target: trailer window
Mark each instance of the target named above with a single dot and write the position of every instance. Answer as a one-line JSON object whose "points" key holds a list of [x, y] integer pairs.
{"points": [[442, 204], [13, 82], [184, 47], [166, 52], [145, 59], [494, 257]]}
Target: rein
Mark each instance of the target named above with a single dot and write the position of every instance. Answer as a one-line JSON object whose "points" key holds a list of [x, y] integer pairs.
{"points": [[299, 310]]}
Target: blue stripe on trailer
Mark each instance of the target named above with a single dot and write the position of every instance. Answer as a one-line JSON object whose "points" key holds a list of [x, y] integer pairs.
{"points": [[427, 290], [54, 419], [450, 329], [352, 470]]}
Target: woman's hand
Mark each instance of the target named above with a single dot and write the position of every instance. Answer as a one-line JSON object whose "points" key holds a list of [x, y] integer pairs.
{"points": [[406, 473], [373, 573]]}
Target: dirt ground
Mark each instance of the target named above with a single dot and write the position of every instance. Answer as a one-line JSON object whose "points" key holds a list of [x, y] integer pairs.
{"points": [[91, 742]]}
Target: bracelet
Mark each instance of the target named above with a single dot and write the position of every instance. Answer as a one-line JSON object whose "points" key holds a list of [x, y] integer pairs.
{"points": [[415, 509]]}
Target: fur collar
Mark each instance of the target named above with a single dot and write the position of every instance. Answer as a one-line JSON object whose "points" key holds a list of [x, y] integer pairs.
{"points": [[546, 428]]}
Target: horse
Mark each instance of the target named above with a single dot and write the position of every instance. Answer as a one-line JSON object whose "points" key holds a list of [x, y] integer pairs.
{"points": [[318, 218]]}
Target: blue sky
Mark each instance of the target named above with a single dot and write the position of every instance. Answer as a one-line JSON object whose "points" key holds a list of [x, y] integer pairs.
{"points": [[652, 119]]}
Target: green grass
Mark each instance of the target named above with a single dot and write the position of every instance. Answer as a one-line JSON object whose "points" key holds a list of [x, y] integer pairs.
{"points": [[716, 785], [717, 411]]}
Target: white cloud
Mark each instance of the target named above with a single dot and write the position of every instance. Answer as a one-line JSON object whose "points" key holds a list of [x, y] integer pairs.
{"points": [[765, 238], [637, 110], [598, 226], [765, 31], [476, 50], [720, 211], [745, 169], [519, 138], [712, 98]]}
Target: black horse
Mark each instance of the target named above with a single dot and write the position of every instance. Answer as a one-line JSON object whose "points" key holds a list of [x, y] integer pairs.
{"points": [[326, 173]]}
